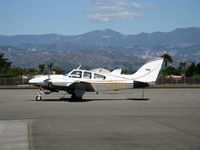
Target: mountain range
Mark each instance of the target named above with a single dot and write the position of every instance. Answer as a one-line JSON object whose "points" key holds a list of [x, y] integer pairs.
{"points": [[101, 47]]}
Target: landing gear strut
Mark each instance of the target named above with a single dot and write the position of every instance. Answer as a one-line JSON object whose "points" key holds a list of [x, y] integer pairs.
{"points": [[142, 97], [77, 95], [39, 97], [74, 97], [42, 91]]}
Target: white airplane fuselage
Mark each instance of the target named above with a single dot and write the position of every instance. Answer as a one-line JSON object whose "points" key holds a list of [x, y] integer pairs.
{"points": [[104, 81], [79, 81]]}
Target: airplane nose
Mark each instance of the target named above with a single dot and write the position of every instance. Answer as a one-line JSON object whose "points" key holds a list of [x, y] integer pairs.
{"points": [[39, 80], [31, 81], [35, 80]]}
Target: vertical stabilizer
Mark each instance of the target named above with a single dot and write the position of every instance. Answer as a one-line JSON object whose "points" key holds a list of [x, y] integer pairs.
{"points": [[148, 73]]}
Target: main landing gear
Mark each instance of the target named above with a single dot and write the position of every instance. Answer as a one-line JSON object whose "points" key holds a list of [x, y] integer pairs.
{"points": [[77, 95]]}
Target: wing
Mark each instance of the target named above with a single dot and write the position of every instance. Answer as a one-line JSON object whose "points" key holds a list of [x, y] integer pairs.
{"points": [[86, 86]]}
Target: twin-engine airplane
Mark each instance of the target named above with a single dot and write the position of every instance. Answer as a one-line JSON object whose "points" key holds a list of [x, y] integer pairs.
{"points": [[78, 81]]}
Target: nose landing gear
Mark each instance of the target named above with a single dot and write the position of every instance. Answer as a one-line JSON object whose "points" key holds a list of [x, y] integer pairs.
{"points": [[39, 97]]}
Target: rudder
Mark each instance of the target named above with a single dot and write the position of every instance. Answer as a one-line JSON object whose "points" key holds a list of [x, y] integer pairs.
{"points": [[148, 73]]}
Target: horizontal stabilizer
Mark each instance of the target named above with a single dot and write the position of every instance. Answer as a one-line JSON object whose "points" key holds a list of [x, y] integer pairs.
{"points": [[138, 84], [116, 72]]}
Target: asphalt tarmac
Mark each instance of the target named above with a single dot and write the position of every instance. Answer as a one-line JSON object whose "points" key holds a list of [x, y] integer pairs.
{"points": [[116, 120]]}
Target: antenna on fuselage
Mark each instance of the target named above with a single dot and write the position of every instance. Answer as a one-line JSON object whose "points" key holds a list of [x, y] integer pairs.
{"points": [[79, 67]]}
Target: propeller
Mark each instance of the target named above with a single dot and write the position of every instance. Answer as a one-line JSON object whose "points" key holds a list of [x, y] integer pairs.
{"points": [[48, 80], [50, 67]]}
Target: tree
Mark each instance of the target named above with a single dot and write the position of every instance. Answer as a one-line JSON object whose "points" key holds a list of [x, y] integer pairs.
{"points": [[50, 67], [167, 58], [5, 64], [31, 71], [171, 71], [182, 68], [190, 70], [197, 68], [16, 72], [42, 68]]}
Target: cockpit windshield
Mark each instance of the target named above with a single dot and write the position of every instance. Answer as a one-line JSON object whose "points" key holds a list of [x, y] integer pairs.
{"points": [[76, 74]]}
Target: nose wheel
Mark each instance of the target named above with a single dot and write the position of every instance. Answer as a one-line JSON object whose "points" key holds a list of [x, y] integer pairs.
{"points": [[38, 98]]}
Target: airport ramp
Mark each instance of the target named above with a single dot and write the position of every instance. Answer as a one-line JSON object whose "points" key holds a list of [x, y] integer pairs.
{"points": [[14, 135]]}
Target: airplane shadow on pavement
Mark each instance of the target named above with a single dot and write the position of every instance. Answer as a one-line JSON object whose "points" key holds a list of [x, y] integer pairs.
{"points": [[61, 100], [88, 100], [138, 99]]}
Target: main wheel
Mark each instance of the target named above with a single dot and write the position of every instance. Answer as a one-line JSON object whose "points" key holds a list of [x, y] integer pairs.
{"points": [[75, 98], [38, 98]]}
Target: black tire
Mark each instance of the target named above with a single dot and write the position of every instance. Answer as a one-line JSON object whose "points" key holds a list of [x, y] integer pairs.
{"points": [[38, 98], [75, 98]]}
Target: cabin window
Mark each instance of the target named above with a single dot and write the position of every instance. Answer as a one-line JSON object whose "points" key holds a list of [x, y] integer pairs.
{"points": [[75, 74], [98, 76], [87, 75]]}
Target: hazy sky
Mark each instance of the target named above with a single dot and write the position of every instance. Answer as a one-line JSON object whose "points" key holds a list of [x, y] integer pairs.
{"points": [[79, 16]]}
